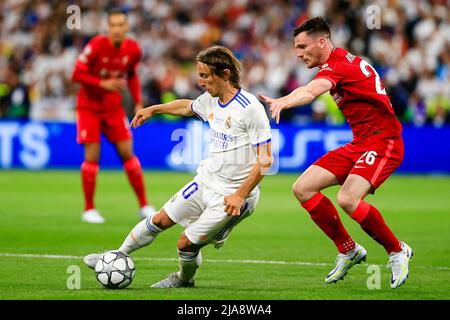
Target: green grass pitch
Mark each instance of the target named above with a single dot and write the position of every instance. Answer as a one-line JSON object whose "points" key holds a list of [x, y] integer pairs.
{"points": [[278, 253]]}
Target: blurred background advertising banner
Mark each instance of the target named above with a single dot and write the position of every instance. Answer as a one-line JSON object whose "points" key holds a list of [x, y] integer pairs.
{"points": [[181, 145]]}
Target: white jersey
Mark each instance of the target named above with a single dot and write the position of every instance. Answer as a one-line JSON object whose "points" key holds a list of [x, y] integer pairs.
{"points": [[237, 128]]}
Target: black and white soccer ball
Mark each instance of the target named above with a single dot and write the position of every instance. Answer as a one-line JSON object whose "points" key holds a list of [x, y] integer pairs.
{"points": [[115, 270]]}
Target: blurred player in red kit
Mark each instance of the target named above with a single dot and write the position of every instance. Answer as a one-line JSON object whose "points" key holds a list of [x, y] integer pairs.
{"points": [[360, 166], [107, 64]]}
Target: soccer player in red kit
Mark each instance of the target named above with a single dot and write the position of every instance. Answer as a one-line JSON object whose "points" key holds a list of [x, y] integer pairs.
{"points": [[107, 64], [360, 166]]}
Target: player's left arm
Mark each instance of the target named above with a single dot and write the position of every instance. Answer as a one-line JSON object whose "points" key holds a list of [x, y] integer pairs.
{"points": [[233, 203], [299, 97], [134, 83]]}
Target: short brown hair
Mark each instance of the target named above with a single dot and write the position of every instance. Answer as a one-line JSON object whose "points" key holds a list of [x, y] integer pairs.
{"points": [[219, 58], [317, 25]]}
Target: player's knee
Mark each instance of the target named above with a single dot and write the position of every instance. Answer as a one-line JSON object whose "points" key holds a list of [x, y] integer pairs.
{"points": [[300, 191], [125, 151], [126, 156], [92, 152], [162, 220], [184, 244], [93, 159], [346, 201]]}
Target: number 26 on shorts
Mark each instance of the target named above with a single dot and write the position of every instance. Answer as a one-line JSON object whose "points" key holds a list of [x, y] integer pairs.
{"points": [[370, 157]]}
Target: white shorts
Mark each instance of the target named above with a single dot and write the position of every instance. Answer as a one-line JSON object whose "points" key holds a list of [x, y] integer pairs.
{"points": [[201, 212]]}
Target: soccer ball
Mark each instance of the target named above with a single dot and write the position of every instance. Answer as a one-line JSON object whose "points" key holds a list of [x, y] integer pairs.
{"points": [[115, 270]]}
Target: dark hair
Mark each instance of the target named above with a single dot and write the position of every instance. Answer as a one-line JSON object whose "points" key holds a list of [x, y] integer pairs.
{"points": [[314, 26], [117, 10], [219, 58]]}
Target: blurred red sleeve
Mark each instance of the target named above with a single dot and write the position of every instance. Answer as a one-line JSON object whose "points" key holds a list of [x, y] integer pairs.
{"points": [[133, 80], [81, 75], [85, 59]]}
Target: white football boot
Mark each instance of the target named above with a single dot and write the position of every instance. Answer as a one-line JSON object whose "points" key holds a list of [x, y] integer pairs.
{"points": [[398, 261], [147, 212], [92, 216], [344, 262], [174, 281]]}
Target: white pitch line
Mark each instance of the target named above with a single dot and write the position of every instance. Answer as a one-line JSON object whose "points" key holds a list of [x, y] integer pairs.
{"points": [[38, 256], [296, 263]]}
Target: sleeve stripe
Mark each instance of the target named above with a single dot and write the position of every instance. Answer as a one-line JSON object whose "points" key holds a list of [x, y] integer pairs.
{"points": [[262, 143]]}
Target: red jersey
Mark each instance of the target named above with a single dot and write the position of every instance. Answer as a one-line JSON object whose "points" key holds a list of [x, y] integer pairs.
{"points": [[101, 60], [360, 95]]}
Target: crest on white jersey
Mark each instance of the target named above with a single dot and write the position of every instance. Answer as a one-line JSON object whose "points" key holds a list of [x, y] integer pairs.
{"points": [[228, 123]]}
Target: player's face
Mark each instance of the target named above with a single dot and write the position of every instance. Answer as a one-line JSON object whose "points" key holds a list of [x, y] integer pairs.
{"points": [[309, 48], [208, 80], [117, 28]]}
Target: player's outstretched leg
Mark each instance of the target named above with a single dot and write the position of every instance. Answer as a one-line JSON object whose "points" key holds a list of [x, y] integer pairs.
{"points": [[189, 262], [142, 235], [344, 262], [398, 261]]}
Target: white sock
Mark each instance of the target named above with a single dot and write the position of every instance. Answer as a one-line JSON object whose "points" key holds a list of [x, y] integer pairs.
{"points": [[189, 263], [142, 235]]}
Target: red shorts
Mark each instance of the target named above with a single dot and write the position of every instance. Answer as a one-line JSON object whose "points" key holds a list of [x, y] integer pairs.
{"points": [[374, 159], [91, 124]]}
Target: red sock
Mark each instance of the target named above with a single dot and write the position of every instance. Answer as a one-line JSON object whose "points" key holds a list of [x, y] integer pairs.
{"points": [[88, 177], [325, 215], [373, 224], [136, 177]]}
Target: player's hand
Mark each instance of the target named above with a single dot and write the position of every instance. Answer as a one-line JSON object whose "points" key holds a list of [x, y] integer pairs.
{"points": [[275, 105], [141, 116], [113, 84], [233, 204], [138, 107]]}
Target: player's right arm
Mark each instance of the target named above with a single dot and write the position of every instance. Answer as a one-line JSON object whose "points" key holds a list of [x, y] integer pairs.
{"points": [[181, 107], [299, 97]]}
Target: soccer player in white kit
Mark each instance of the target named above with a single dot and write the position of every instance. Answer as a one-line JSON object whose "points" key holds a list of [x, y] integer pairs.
{"points": [[226, 188]]}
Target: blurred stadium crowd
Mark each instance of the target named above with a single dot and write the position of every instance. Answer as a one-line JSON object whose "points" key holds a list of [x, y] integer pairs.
{"points": [[410, 51]]}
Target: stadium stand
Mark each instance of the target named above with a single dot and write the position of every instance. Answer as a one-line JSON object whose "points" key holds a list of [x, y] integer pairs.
{"points": [[410, 49]]}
